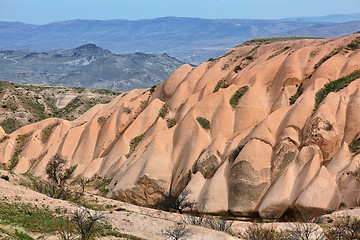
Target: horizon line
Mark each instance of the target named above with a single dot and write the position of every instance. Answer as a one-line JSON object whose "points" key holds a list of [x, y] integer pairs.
{"points": [[164, 17]]}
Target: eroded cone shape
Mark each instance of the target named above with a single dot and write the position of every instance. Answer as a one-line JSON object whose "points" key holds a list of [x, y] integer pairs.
{"points": [[225, 130]]}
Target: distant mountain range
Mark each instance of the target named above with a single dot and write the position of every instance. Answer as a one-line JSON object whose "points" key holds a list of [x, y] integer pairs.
{"points": [[334, 18], [191, 40], [325, 30], [86, 66]]}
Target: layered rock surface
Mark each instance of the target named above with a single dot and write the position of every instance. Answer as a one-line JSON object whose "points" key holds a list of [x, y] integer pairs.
{"points": [[226, 130]]}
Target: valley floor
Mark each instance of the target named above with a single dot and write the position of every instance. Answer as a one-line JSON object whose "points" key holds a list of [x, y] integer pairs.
{"points": [[127, 221]]}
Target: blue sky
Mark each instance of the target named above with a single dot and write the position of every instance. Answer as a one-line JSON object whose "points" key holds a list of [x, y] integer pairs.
{"points": [[46, 11]]}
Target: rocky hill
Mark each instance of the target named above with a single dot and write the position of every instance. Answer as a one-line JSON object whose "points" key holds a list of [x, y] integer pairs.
{"points": [[191, 40], [86, 66], [21, 104], [269, 128]]}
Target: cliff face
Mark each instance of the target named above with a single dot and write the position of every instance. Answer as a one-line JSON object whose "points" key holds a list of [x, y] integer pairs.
{"points": [[269, 126]]}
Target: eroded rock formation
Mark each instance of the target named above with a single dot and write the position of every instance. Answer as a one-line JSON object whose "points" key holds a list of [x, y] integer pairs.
{"points": [[268, 127]]}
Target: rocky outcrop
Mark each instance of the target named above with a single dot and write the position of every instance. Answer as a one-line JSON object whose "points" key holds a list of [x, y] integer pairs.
{"points": [[263, 129]]}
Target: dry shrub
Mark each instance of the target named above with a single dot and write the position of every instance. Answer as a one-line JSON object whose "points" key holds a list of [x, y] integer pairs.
{"points": [[345, 227], [258, 232]]}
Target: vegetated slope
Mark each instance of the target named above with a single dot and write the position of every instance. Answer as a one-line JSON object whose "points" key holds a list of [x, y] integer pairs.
{"points": [[24, 104], [40, 216], [224, 130], [191, 40], [86, 66]]}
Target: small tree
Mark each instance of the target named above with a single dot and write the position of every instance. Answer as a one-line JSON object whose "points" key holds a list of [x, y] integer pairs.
{"points": [[57, 171], [176, 202], [58, 174], [194, 219], [178, 231], [182, 201], [86, 222], [66, 229], [83, 182], [304, 231]]}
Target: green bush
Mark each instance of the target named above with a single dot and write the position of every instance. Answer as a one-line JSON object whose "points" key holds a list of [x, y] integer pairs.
{"points": [[101, 120], [163, 111], [134, 143], [355, 44], [171, 122], [274, 39], [143, 105], [70, 107], [250, 57], [238, 68], [226, 66], [327, 57], [31, 218], [46, 132], [204, 123], [57, 170], [33, 106], [335, 86], [237, 95], [278, 52], [104, 91], [258, 232], [23, 235], [20, 143], [6, 137], [152, 89], [298, 93], [10, 125], [101, 185], [220, 84], [81, 222]]}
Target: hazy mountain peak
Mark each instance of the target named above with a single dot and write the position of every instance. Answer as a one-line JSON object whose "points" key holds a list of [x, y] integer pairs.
{"points": [[88, 46]]}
